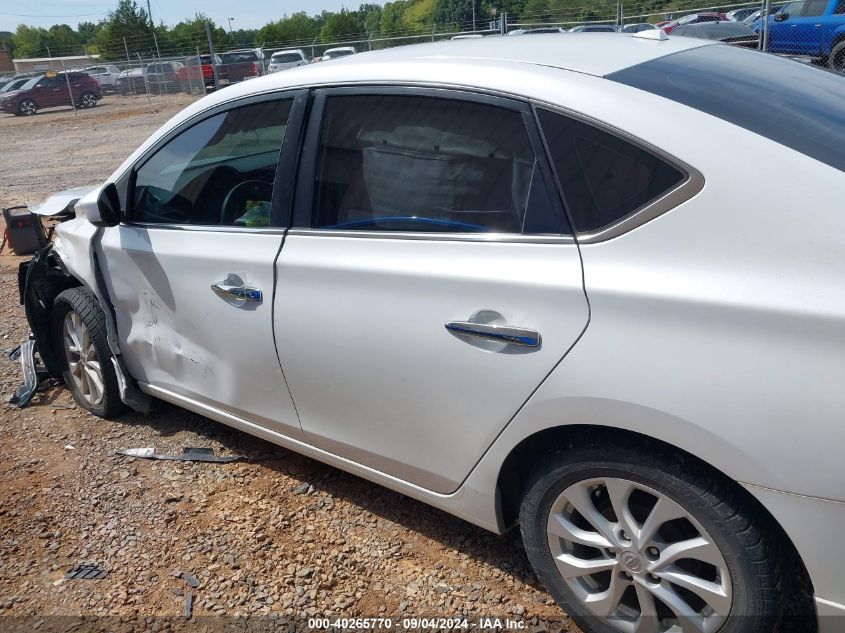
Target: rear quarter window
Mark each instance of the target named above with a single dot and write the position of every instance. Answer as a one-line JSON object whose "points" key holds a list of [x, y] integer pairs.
{"points": [[788, 102], [604, 178]]}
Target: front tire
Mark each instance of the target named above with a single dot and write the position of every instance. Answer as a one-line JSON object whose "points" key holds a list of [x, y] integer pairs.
{"points": [[634, 539], [28, 107], [79, 334]]}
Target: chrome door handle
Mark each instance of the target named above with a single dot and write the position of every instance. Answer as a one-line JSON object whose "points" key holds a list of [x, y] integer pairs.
{"points": [[498, 333], [240, 293]]}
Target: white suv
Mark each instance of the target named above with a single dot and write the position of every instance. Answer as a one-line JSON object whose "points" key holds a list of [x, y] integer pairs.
{"points": [[290, 58], [105, 75]]}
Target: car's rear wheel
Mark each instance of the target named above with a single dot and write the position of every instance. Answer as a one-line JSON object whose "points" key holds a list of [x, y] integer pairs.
{"points": [[87, 100], [28, 107], [632, 541], [79, 333], [836, 59]]}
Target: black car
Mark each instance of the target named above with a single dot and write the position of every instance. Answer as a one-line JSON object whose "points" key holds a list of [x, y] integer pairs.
{"points": [[735, 33], [131, 82]]}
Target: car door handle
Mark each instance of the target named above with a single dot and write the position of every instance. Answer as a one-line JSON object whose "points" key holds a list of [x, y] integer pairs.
{"points": [[499, 333], [240, 293]]}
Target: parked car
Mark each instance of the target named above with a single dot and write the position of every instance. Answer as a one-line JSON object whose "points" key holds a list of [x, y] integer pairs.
{"points": [[239, 65], [164, 77], [735, 33], [811, 28], [539, 30], [105, 75], [289, 58], [638, 27], [14, 84], [753, 17], [199, 69], [593, 28], [508, 297], [340, 51], [738, 15], [694, 18], [50, 91], [467, 36], [131, 81]]}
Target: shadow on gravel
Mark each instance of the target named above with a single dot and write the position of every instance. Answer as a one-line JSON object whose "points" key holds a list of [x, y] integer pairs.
{"points": [[504, 552]]}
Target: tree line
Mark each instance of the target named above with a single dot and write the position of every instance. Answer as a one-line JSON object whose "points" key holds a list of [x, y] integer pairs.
{"points": [[129, 26]]}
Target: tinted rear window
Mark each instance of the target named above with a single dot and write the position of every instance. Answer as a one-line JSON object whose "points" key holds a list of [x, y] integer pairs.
{"points": [[604, 178], [286, 58], [794, 104], [238, 58]]}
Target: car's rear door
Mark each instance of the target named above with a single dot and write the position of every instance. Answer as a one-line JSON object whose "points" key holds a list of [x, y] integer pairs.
{"points": [[190, 272], [429, 283]]}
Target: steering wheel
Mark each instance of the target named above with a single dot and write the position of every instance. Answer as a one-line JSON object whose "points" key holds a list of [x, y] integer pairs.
{"points": [[240, 193], [412, 219], [162, 206]]}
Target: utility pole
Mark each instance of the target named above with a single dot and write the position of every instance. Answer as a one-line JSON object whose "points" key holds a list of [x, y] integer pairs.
{"points": [[766, 9], [230, 29], [150, 14]]}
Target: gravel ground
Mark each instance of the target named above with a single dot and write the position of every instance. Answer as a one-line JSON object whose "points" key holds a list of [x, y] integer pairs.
{"points": [[279, 536]]}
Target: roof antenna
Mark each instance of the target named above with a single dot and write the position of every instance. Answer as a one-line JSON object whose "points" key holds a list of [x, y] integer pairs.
{"points": [[653, 34]]}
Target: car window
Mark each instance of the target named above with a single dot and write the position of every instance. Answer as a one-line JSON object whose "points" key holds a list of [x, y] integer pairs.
{"points": [[794, 104], [840, 8], [815, 7], [217, 172], [426, 164], [604, 178], [793, 8], [238, 58], [286, 58]]}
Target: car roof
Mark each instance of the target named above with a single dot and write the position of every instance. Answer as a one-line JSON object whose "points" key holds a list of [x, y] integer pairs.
{"points": [[590, 53]]}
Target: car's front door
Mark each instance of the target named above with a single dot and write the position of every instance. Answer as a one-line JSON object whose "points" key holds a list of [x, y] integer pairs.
{"points": [[190, 272], [51, 92], [783, 28], [808, 28], [430, 282]]}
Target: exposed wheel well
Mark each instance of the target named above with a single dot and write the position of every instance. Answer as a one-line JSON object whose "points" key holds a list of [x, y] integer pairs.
{"points": [[517, 467]]}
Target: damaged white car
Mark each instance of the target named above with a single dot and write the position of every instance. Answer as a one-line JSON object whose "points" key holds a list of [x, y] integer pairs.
{"points": [[524, 280]]}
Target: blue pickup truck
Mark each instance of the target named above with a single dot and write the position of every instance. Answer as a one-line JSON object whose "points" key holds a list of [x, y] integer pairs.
{"points": [[812, 28]]}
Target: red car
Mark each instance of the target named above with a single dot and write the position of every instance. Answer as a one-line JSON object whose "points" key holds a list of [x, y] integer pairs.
{"points": [[695, 18], [198, 69], [50, 91]]}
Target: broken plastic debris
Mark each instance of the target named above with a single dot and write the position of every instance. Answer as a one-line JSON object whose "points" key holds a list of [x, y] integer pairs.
{"points": [[86, 572], [34, 373], [188, 454]]}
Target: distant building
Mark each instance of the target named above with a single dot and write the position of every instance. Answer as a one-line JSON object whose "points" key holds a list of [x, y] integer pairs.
{"points": [[6, 65], [54, 63]]}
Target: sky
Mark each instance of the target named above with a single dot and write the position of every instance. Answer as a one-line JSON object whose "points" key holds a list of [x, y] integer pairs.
{"points": [[246, 13]]}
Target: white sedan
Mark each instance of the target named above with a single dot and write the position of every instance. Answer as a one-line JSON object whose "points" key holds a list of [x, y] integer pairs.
{"points": [[521, 279]]}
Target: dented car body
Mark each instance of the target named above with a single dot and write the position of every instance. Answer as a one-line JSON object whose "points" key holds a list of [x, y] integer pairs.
{"points": [[393, 264]]}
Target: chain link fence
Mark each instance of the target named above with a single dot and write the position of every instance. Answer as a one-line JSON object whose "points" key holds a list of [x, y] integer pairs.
{"points": [[810, 30]]}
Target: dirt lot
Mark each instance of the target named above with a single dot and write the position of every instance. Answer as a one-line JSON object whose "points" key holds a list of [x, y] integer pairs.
{"points": [[279, 536]]}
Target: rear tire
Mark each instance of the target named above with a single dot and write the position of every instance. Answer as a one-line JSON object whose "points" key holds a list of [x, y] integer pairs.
{"points": [[836, 59], [87, 100], [79, 336], [735, 556]]}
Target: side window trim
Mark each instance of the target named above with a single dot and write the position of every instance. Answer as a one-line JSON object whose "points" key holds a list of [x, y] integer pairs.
{"points": [[302, 217], [689, 187], [285, 166]]}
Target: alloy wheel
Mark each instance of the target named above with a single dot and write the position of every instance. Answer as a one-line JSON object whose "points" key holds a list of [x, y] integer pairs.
{"points": [[637, 559], [82, 359], [28, 107], [88, 100]]}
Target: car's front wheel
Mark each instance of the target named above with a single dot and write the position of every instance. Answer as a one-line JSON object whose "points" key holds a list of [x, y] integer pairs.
{"points": [[79, 333], [630, 540], [28, 107]]}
